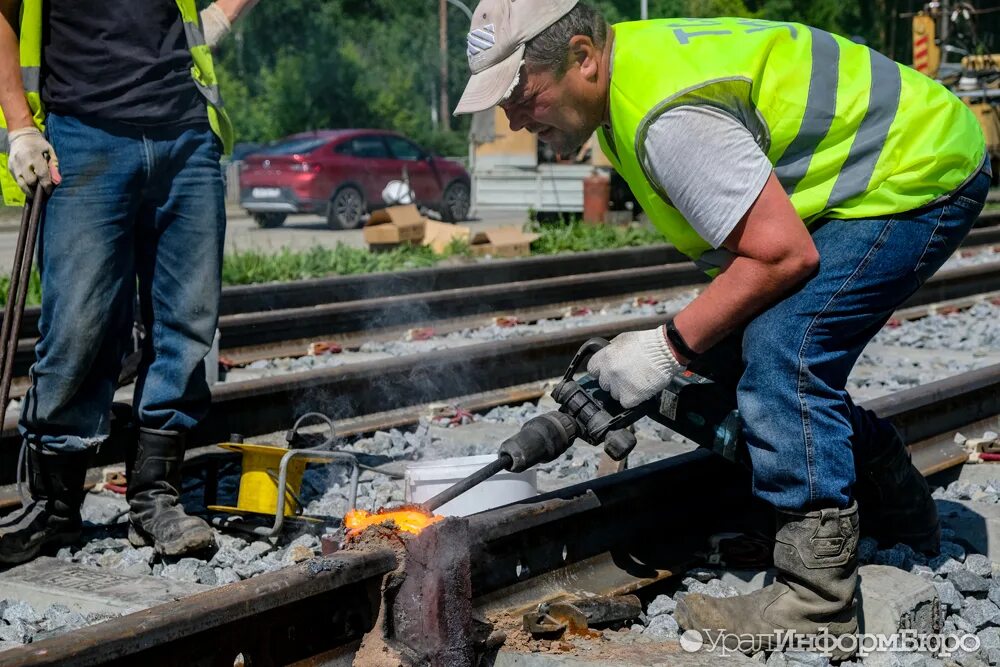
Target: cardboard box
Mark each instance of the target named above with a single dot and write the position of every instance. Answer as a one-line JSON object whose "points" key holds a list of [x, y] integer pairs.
{"points": [[437, 235], [502, 242], [394, 225]]}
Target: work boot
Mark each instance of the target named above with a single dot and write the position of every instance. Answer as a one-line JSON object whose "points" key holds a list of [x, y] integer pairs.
{"points": [[815, 555], [894, 499], [52, 518], [153, 471]]}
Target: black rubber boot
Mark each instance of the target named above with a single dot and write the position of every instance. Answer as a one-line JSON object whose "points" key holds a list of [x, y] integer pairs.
{"points": [[895, 500], [156, 518], [815, 555], [52, 518]]}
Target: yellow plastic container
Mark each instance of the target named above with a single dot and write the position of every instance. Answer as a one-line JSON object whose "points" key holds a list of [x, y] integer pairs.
{"points": [[259, 479]]}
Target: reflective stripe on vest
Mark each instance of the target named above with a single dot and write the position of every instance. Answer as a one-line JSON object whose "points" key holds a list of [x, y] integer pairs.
{"points": [[30, 52], [850, 133]]}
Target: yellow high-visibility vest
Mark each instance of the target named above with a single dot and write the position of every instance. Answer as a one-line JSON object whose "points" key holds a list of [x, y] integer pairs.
{"points": [[851, 133], [30, 38]]}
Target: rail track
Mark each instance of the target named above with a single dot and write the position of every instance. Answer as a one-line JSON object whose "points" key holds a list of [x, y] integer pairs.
{"points": [[278, 319], [594, 537], [266, 405]]}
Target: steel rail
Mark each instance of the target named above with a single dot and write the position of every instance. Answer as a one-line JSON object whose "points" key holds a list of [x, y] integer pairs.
{"points": [[352, 317], [267, 405], [517, 551], [255, 315]]}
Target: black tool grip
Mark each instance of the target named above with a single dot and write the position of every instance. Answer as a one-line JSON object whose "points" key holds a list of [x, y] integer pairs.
{"points": [[619, 443], [585, 352]]}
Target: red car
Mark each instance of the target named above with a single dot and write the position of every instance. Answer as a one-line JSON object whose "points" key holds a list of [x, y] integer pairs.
{"points": [[342, 173]]}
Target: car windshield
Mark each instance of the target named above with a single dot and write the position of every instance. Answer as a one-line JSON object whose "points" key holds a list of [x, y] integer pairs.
{"points": [[295, 146]]}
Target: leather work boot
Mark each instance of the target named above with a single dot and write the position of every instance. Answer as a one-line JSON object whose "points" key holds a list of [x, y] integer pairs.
{"points": [[156, 517], [52, 518], [895, 501], [815, 555]]}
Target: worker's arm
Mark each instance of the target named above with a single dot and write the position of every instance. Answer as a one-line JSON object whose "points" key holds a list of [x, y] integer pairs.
{"points": [[218, 18], [773, 255], [15, 107], [715, 173], [30, 157]]}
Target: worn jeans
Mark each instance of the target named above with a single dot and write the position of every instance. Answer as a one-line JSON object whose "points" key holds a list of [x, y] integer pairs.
{"points": [[137, 209], [802, 429]]}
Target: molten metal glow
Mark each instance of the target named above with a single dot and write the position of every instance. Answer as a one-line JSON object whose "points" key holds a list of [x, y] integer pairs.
{"points": [[407, 519]]}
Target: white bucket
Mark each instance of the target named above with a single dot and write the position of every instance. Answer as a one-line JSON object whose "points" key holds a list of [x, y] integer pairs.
{"points": [[426, 479]]}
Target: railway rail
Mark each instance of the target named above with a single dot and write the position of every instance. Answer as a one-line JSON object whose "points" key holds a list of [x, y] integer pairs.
{"points": [[593, 537], [344, 306], [266, 405]]}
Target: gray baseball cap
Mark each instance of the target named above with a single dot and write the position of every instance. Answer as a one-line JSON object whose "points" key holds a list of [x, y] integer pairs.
{"points": [[499, 31]]}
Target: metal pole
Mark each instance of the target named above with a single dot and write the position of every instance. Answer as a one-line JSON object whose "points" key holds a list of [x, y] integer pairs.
{"points": [[644, 11], [445, 111], [945, 25]]}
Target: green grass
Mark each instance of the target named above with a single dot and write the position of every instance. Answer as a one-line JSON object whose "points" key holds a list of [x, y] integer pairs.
{"points": [[255, 267], [34, 296], [251, 267], [579, 236]]}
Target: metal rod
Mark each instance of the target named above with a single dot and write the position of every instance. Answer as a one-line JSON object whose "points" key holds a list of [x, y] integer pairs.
{"points": [[476, 478], [20, 277], [310, 455], [445, 112]]}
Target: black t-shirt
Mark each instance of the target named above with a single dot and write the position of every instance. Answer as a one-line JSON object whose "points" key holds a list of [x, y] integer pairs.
{"points": [[119, 60]]}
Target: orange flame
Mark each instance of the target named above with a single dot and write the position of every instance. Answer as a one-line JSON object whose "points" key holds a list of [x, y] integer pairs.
{"points": [[410, 519]]}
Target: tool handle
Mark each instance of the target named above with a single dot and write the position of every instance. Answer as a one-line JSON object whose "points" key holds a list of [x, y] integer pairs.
{"points": [[585, 352], [20, 277], [597, 424]]}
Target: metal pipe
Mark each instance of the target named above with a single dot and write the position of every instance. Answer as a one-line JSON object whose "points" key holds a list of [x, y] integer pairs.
{"points": [[279, 513], [20, 277], [644, 10], [502, 462]]}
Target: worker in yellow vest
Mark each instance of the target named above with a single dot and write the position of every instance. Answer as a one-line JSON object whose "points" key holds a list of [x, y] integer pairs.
{"points": [[821, 184], [114, 108]]}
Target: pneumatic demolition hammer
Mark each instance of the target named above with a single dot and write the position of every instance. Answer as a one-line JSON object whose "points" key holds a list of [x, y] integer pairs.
{"points": [[694, 406]]}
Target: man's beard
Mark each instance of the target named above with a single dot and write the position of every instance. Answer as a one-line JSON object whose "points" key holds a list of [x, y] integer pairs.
{"points": [[564, 142]]}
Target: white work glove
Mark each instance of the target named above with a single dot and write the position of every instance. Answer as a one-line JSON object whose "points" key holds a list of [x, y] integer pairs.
{"points": [[635, 366], [32, 160], [215, 25]]}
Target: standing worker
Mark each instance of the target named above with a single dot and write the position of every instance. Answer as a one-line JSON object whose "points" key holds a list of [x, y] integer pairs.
{"points": [[820, 184], [126, 95]]}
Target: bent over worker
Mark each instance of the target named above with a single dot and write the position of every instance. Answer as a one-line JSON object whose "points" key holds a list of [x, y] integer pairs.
{"points": [[821, 184], [126, 95]]}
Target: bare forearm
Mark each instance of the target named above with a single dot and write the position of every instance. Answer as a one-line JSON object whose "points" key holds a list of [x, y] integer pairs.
{"points": [[234, 9], [744, 290], [15, 107], [773, 256]]}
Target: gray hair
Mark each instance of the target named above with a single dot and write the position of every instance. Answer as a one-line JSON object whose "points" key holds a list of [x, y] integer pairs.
{"points": [[550, 49]]}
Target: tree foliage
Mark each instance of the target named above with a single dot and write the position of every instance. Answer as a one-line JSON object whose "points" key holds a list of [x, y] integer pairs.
{"points": [[295, 65]]}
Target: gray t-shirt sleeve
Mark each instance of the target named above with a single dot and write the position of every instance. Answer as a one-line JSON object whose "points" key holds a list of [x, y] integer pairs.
{"points": [[709, 165]]}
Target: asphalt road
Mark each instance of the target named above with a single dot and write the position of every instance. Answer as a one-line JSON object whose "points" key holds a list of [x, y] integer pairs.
{"points": [[242, 234]]}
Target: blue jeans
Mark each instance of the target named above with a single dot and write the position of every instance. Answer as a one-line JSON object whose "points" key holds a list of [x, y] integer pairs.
{"points": [[802, 430], [138, 209]]}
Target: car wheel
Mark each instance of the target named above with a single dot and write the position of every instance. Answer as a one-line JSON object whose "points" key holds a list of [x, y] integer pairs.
{"points": [[269, 220], [455, 204], [347, 208]]}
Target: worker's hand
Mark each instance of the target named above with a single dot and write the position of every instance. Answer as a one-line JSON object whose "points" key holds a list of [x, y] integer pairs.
{"points": [[635, 366], [32, 160], [215, 24]]}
